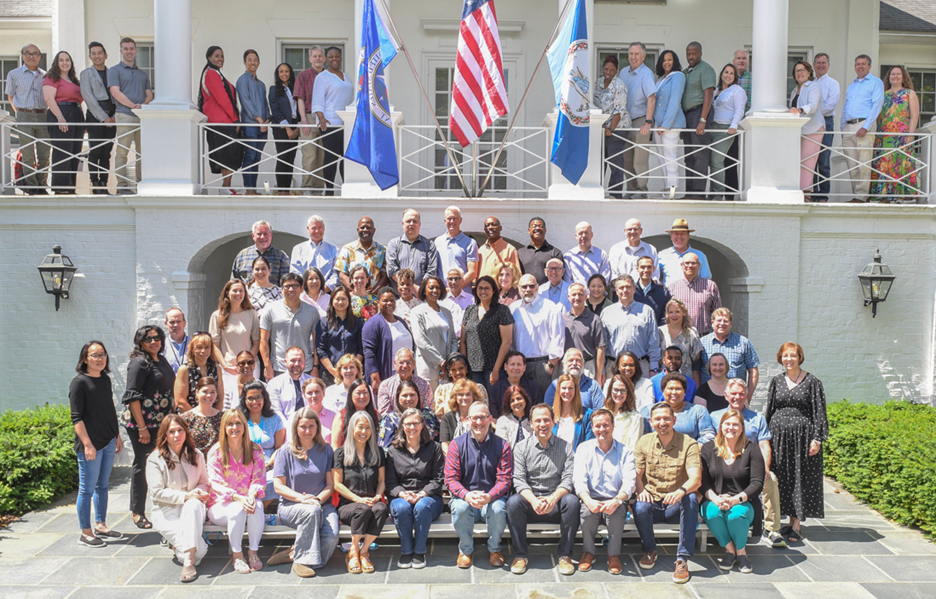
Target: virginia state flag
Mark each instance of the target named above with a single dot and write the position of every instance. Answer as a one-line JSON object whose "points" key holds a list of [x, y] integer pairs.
{"points": [[568, 62], [371, 142]]}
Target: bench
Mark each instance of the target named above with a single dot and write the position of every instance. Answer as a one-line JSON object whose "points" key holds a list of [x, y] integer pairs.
{"points": [[443, 529]]}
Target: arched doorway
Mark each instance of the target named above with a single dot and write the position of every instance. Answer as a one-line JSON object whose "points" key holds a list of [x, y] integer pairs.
{"points": [[729, 272], [212, 265]]}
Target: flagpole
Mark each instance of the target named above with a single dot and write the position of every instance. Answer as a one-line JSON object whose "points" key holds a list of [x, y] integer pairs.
{"points": [[448, 150], [523, 99]]}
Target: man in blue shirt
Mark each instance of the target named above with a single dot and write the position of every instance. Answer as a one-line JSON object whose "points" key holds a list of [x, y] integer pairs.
{"points": [[737, 349], [670, 259], [863, 101], [641, 85], [457, 249], [672, 362], [316, 252], [757, 431], [585, 260], [650, 292], [632, 326]]}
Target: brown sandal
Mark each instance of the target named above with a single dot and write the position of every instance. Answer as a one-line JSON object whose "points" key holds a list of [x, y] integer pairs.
{"points": [[354, 564], [366, 565]]}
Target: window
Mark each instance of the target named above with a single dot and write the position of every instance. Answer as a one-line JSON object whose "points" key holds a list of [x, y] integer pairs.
{"points": [[621, 53], [924, 84], [487, 144], [7, 64], [146, 61], [297, 54]]}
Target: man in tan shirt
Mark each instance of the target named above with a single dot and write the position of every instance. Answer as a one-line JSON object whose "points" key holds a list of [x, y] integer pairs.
{"points": [[496, 252], [669, 471]]}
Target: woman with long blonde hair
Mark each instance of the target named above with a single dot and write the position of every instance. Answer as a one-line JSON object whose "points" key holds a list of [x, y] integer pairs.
{"points": [[732, 478], [678, 331], [573, 421], [237, 472], [235, 327]]}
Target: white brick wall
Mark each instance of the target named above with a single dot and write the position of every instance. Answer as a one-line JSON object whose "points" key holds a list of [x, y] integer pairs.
{"points": [[807, 256]]}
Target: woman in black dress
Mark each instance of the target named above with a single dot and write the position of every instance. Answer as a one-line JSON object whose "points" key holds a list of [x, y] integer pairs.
{"points": [[486, 334], [796, 415], [147, 400]]}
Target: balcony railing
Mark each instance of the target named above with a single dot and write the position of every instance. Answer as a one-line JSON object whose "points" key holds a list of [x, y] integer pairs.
{"points": [[68, 166], [521, 169], [668, 171], [893, 168], [277, 161]]}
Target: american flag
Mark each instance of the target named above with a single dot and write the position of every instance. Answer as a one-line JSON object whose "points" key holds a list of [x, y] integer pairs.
{"points": [[479, 95]]}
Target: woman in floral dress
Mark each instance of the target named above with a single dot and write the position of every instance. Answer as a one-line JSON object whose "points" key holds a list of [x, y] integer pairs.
{"points": [[147, 400], [894, 177]]}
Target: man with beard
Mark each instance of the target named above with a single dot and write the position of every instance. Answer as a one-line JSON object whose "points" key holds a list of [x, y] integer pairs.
{"points": [[364, 251], [573, 364], [538, 332]]}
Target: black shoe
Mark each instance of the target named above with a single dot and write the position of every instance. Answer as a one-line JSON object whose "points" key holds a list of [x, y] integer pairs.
{"points": [[110, 535], [93, 542], [406, 561], [419, 561], [744, 564], [727, 562]]}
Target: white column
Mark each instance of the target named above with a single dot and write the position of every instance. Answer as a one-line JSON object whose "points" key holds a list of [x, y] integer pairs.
{"points": [[169, 124], [771, 22], [772, 134], [68, 31], [173, 46], [589, 186]]}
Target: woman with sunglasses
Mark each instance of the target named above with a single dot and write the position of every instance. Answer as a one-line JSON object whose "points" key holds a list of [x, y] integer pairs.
{"points": [[245, 374], [147, 400]]}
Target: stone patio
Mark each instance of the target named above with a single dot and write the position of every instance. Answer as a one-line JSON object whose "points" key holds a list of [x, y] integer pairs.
{"points": [[852, 553]]}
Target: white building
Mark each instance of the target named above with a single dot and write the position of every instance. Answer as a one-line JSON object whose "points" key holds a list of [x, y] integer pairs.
{"points": [[787, 269]]}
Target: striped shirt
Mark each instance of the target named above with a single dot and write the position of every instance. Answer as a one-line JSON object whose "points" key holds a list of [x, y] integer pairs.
{"points": [[737, 349], [243, 263], [701, 297], [25, 87], [633, 328], [745, 82], [623, 259], [543, 469], [305, 82]]}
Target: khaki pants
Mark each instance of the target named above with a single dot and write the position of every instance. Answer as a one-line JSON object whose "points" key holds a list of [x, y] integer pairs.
{"points": [[771, 503], [33, 130], [636, 158], [312, 158], [858, 150], [128, 131]]}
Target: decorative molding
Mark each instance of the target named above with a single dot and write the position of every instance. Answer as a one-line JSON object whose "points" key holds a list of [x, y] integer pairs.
{"points": [[184, 280], [447, 25], [746, 284]]}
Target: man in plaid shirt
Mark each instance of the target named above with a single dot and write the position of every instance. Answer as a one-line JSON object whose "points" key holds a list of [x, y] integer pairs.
{"points": [[262, 235]]}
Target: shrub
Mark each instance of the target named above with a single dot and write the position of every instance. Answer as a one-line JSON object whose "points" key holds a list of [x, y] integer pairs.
{"points": [[886, 456], [37, 458]]}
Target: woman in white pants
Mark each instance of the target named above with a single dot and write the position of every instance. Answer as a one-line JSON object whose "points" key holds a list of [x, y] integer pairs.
{"points": [[178, 484], [237, 473], [668, 115]]}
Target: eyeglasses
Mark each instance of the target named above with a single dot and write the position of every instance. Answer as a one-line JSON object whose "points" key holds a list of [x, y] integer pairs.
{"points": [[453, 279], [151, 339], [478, 418], [32, 54], [294, 286], [412, 424], [98, 356], [528, 286], [246, 363], [618, 391]]}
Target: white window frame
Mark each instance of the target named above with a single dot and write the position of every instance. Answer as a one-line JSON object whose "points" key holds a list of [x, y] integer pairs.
{"points": [[150, 71], [621, 51], [347, 62]]}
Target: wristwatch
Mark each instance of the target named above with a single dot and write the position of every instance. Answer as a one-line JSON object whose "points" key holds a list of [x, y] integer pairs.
{"points": [[619, 501]]}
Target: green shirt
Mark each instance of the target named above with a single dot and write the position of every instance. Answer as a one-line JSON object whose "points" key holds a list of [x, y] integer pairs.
{"points": [[698, 79]]}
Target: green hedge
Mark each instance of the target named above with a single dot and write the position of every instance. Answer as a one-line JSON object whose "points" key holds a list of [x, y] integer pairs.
{"points": [[886, 456], [37, 458]]}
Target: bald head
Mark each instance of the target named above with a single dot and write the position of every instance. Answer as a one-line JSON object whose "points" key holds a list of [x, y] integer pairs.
{"points": [[584, 235], [528, 288], [633, 229]]}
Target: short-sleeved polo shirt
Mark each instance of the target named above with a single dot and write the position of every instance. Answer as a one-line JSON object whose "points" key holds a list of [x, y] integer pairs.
{"points": [[666, 468]]}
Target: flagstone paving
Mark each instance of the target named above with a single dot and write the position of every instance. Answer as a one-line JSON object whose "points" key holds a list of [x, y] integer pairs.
{"points": [[852, 553]]}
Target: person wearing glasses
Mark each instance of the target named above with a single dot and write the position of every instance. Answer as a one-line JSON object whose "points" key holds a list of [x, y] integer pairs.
{"points": [[24, 90], [147, 400], [246, 364]]}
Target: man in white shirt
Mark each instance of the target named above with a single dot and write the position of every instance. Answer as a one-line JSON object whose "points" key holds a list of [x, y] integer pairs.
{"points": [[457, 249], [585, 259], [556, 289], [177, 340], [538, 332], [863, 100], [625, 254], [459, 296], [286, 389], [316, 252], [830, 97]]}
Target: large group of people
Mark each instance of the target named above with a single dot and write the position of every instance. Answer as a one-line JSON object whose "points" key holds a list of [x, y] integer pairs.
{"points": [[708, 108], [509, 411], [694, 104]]}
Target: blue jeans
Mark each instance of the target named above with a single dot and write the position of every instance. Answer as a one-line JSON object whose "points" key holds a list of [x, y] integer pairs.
{"points": [[93, 479], [252, 155], [413, 521], [685, 513], [464, 517], [823, 166]]}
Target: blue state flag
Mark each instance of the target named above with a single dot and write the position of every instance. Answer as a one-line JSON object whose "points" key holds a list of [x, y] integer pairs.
{"points": [[371, 142], [568, 62]]}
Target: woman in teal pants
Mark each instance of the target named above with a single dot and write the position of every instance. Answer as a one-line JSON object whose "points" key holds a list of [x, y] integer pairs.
{"points": [[732, 477]]}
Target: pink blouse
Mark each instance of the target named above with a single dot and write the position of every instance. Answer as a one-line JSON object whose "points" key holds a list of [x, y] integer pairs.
{"points": [[236, 478]]}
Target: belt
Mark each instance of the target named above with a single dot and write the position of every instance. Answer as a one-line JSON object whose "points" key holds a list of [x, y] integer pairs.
{"points": [[68, 104], [539, 359], [853, 121], [34, 110], [693, 108]]}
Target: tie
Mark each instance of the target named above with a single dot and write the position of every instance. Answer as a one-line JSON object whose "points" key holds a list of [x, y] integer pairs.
{"points": [[520, 434], [300, 403]]}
